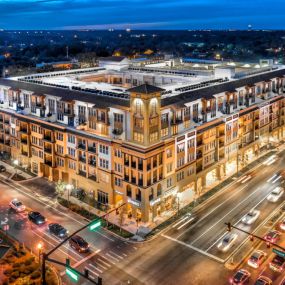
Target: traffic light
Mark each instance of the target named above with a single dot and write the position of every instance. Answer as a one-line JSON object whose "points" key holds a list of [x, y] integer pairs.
{"points": [[94, 225], [268, 244], [251, 238], [229, 226]]}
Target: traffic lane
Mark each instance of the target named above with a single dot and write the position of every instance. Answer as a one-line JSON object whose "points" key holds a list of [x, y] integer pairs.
{"points": [[56, 213], [207, 217], [210, 241], [213, 225]]}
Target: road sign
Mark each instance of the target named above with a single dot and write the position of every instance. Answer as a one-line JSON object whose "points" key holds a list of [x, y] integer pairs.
{"points": [[279, 252], [72, 274], [95, 225]]}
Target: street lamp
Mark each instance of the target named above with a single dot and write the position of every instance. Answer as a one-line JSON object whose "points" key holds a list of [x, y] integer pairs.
{"points": [[40, 248], [16, 163], [68, 187]]}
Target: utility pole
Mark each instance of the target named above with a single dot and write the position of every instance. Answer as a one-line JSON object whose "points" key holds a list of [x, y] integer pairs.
{"points": [[45, 256]]}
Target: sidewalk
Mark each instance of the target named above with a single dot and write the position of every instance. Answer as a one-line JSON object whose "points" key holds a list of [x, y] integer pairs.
{"points": [[11, 171]]}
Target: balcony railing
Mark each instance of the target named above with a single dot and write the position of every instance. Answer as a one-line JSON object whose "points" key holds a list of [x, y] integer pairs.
{"points": [[82, 146], [82, 173], [48, 162], [92, 177], [24, 141], [82, 158], [48, 138], [92, 162], [92, 149], [48, 149]]}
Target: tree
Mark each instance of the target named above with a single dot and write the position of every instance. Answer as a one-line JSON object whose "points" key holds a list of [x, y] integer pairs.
{"points": [[60, 187]]}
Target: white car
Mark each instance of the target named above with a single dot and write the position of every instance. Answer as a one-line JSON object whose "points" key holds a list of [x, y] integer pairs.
{"points": [[16, 205], [275, 195], [227, 242], [250, 217], [282, 225]]}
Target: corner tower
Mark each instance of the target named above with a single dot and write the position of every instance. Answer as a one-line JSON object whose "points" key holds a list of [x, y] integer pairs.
{"points": [[145, 101]]}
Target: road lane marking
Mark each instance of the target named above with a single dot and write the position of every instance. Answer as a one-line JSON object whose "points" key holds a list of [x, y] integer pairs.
{"points": [[182, 220], [112, 252], [104, 262], [240, 203], [186, 223], [100, 265], [96, 268], [237, 222], [109, 255], [105, 236], [195, 248], [86, 258], [213, 210], [125, 255]]}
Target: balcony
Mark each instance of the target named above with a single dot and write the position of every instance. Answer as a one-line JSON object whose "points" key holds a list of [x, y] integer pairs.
{"points": [[148, 167], [134, 164], [82, 146], [134, 180], [92, 162], [176, 121], [117, 132], [24, 141], [82, 173], [127, 178], [7, 142], [48, 150], [82, 158], [7, 121], [23, 130], [140, 183], [48, 162], [127, 162], [47, 138], [140, 166], [1, 140], [25, 153], [92, 177], [92, 149], [7, 131], [154, 164]]}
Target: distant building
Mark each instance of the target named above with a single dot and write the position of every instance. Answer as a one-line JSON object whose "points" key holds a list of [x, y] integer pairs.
{"points": [[114, 62], [59, 64]]}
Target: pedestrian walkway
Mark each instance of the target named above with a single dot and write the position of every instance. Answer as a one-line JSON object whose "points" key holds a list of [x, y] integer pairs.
{"points": [[12, 171]]}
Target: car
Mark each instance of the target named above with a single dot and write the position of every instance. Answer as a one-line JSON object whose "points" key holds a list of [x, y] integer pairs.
{"points": [[275, 195], [227, 242], [263, 280], [277, 263], [250, 217], [16, 205], [2, 168], [241, 277], [256, 259], [272, 236], [79, 244], [36, 218], [57, 230]]}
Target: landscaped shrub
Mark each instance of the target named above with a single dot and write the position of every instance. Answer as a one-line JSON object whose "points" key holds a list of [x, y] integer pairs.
{"points": [[35, 275]]}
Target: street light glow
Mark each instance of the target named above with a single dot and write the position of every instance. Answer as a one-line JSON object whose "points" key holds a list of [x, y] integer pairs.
{"points": [[16, 162]]}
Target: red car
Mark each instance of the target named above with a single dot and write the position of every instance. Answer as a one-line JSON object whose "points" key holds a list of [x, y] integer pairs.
{"points": [[272, 236], [241, 277], [277, 263]]}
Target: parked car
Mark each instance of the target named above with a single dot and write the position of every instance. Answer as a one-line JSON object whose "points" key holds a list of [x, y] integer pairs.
{"points": [[251, 217], [277, 263], [272, 236], [2, 168], [257, 258], [241, 277], [275, 195], [263, 280], [79, 244], [57, 230], [16, 205], [36, 218], [227, 242]]}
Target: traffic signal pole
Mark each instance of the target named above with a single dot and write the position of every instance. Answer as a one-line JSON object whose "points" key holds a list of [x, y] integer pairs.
{"points": [[230, 227], [45, 256]]}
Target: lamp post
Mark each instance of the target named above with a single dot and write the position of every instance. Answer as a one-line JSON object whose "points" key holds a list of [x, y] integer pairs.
{"points": [[178, 195], [16, 163], [40, 248], [68, 187]]}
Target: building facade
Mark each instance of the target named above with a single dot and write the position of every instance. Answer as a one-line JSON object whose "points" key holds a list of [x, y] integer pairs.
{"points": [[149, 150]]}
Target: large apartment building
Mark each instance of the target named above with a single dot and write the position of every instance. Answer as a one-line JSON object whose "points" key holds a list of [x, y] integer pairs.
{"points": [[148, 146]]}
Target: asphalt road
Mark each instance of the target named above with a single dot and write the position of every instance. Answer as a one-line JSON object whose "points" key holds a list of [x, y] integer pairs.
{"points": [[186, 253]]}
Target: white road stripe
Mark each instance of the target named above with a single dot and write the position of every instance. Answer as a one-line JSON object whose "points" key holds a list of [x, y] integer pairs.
{"points": [[125, 255], [104, 262], [183, 225], [182, 220], [105, 236], [109, 255], [234, 208], [112, 252], [196, 249], [90, 270], [96, 268], [85, 259]]}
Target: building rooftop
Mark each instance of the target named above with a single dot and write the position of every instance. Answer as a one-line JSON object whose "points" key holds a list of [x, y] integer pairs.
{"points": [[112, 58], [146, 89]]}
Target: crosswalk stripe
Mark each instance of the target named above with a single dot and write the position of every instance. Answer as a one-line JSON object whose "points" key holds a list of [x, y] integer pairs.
{"points": [[107, 264], [112, 252], [108, 254], [96, 268]]}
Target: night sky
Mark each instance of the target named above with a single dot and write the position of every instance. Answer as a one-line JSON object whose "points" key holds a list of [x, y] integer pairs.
{"points": [[142, 14]]}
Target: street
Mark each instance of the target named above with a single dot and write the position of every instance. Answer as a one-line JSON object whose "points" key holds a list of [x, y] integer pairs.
{"points": [[185, 253]]}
